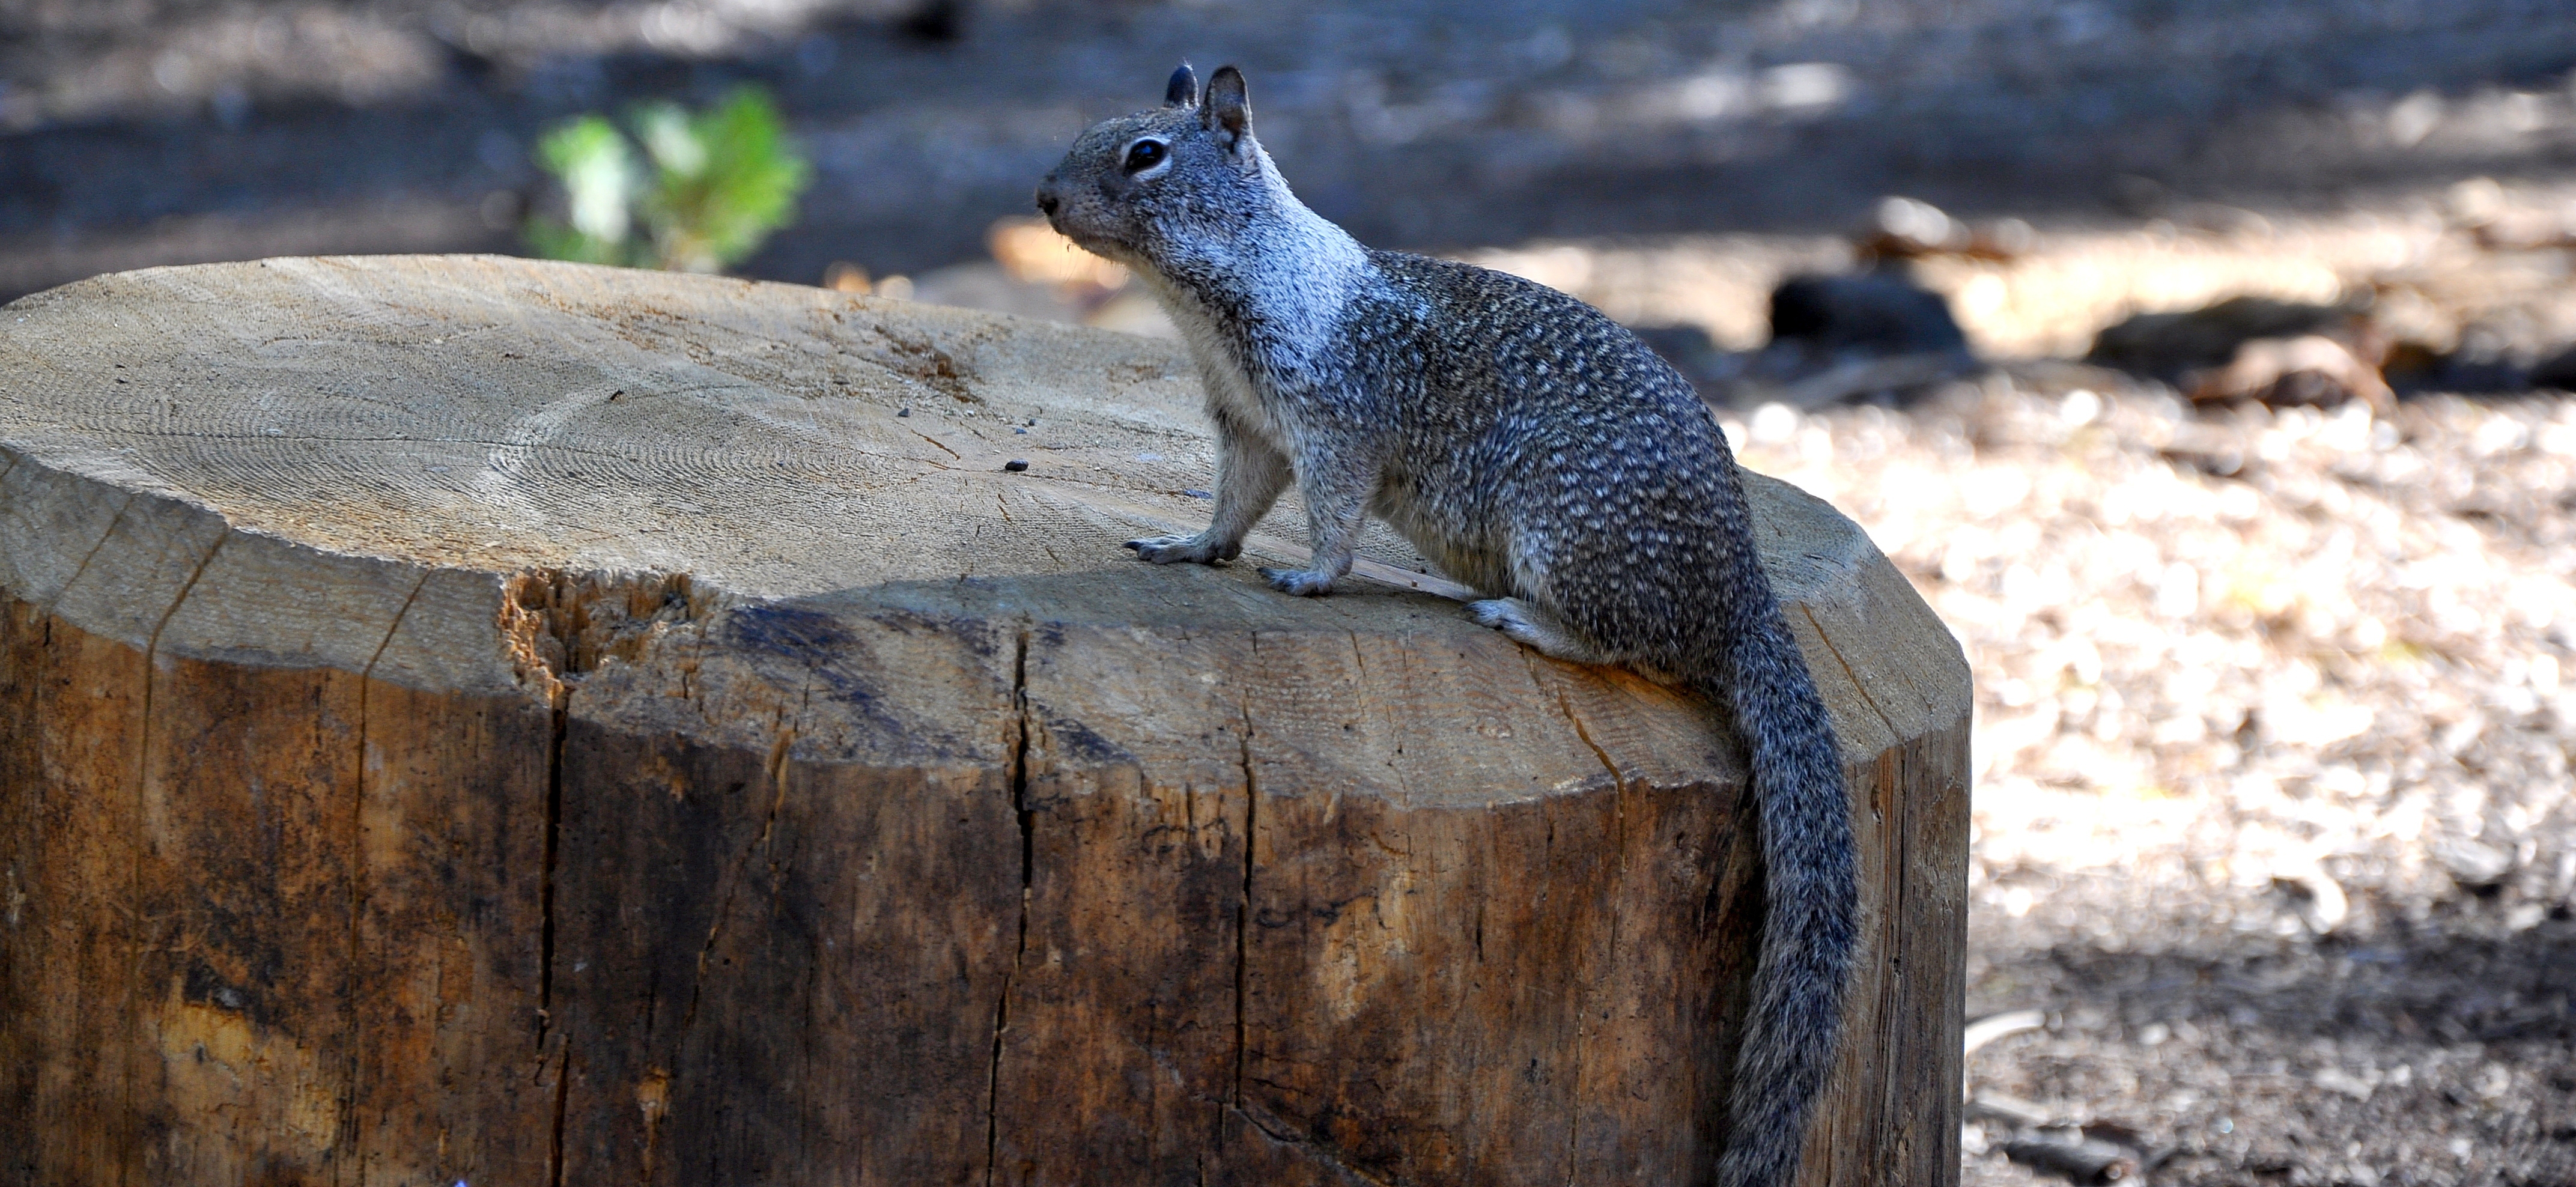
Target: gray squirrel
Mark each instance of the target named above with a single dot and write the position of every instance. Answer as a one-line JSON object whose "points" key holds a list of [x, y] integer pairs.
{"points": [[1531, 448]]}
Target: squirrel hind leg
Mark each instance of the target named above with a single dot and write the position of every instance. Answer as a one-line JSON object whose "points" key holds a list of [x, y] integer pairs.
{"points": [[1531, 626], [1528, 624]]}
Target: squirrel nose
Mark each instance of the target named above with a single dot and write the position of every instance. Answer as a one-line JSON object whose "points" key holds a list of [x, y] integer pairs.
{"points": [[1047, 201]]}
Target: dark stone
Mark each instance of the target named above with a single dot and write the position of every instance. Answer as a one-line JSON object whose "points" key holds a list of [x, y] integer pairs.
{"points": [[2168, 346], [935, 22], [2412, 369], [2558, 371], [1871, 313]]}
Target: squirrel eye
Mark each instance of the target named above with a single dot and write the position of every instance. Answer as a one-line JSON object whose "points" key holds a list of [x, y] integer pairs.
{"points": [[1144, 154]]}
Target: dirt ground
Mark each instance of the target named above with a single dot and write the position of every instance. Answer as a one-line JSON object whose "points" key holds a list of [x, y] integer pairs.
{"points": [[2273, 821]]}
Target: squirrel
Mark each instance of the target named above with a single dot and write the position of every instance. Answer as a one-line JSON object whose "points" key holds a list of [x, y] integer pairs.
{"points": [[1530, 447]]}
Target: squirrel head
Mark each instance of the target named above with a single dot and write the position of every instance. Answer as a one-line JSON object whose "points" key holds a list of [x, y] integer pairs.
{"points": [[1146, 188]]}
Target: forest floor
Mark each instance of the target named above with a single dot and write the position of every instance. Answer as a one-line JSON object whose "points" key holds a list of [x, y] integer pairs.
{"points": [[2272, 815]]}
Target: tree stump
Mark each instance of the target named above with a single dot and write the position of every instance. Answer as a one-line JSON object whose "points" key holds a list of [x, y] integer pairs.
{"points": [[477, 720]]}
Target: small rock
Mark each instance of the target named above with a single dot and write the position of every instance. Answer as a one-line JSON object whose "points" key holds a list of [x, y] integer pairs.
{"points": [[1876, 335], [2010, 1110], [2339, 1080], [2474, 864], [2317, 897], [2558, 371], [1986, 1030], [2081, 1159], [1015, 465], [2524, 230], [1877, 313], [1910, 226], [2474, 202], [2414, 367], [2274, 1162], [903, 412], [2282, 372], [2171, 346]]}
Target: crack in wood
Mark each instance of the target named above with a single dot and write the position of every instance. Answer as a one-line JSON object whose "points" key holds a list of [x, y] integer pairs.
{"points": [[1320, 1153], [1243, 906], [83, 567], [357, 865], [1858, 685], [1619, 845], [143, 774], [558, 723], [563, 1093], [776, 770], [1019, 778], [935, 444]]}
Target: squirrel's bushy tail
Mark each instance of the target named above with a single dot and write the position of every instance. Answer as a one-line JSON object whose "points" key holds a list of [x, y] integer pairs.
{"points": [[1811, 916]]}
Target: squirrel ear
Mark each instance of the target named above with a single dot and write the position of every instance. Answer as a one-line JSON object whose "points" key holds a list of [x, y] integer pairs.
{"points": [[1227, 111], [1183, 90]]}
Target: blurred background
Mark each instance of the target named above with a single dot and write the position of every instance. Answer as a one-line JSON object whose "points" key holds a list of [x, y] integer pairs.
{"points": [[2203, 364]]}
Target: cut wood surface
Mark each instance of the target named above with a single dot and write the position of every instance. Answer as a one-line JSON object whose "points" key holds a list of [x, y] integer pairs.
{"points": [[467, 719]]}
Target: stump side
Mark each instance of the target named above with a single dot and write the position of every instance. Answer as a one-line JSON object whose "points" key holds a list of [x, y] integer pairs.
{"points": [[368, 816]]}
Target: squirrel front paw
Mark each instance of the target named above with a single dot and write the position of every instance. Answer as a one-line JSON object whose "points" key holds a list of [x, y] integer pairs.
{"points": [[1198, 549], [1305, 583]]}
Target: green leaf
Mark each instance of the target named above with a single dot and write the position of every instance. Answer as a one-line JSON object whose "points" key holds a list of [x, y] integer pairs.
{"points": [[724, 186], [598, 175], [721, 181]]}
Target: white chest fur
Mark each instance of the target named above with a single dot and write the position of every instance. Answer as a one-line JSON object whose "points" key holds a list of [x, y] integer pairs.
{"points": [[1292, 277], [1232, 391]]}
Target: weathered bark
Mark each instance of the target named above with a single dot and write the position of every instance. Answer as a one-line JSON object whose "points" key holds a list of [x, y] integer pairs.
{"points": [[468, 719]]}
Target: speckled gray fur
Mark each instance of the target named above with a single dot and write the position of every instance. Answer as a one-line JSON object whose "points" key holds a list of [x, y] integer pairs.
{"points": [[1530, 447]]}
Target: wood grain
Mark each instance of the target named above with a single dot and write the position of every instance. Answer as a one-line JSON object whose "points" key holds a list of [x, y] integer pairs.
{"points": [[465, 719]]}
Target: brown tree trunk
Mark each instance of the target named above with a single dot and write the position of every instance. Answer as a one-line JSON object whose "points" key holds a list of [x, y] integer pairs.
{"points": [[470, 719]]}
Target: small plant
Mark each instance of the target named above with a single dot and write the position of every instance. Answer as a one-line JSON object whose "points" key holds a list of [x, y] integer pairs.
{"points": [[718, 183]]}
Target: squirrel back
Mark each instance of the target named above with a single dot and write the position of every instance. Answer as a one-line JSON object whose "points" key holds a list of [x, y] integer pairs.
{"points": [[1532, 448]]}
